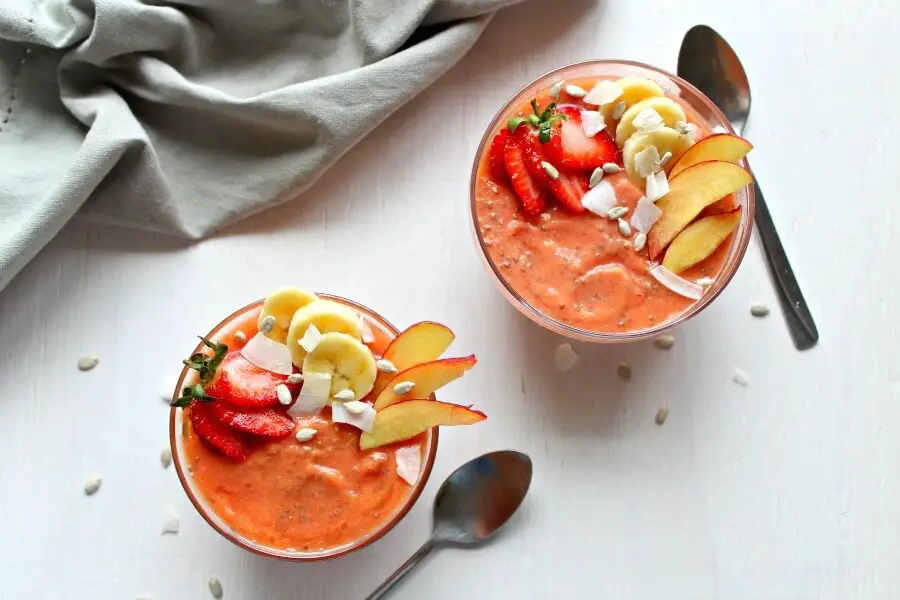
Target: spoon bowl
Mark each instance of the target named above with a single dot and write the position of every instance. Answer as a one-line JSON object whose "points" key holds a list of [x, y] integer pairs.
{"points": [[480, 497]]}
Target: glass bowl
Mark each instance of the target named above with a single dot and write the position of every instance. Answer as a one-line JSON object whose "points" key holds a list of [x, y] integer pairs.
{"points": [[176, 440], [673, 86]]}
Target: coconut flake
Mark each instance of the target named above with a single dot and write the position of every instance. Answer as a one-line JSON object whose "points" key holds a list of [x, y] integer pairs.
{"points": [[605, 92], [646, 162], [648, 120], [600, 199], [170, 520], [365, 420], [365, 330], [409, 461], [313, 395], [268, 354], [680, 286], [646, 214], [657, 186], [592, 122], [310, 338], [564, 358]]}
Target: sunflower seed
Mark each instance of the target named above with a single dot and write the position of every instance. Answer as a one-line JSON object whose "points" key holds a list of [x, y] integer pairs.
{"points": [[165, 457], [664, 342], [557, 89], [596, 177], [705, 281], [170, 522], [92, 485], [294, 378], [611, 167], [550, 170], [565, 358], [215, 587], [664, 159], [624, 227], [576, 91], [385, 366], [661, 415], [355, 407], [640, 240], [345, 395], [759, 310], [681, 126], [240, 336], [404, 387], [267, 325], [618, 110], [305, 434], [86, 363], [624, 371], [616, 212], [740, 377], [284, 394]]}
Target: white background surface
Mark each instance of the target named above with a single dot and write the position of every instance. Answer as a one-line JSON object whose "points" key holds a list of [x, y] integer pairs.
{"points": [[788, 488]]}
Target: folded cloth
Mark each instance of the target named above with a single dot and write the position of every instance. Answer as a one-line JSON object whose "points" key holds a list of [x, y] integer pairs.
{"points": [[179, 117]]}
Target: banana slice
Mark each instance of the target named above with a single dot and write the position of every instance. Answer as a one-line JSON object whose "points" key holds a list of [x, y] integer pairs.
{"points": [[327, 316], [349, 362], [668, 109], [665, 140], [282, 304], [634, 89]]}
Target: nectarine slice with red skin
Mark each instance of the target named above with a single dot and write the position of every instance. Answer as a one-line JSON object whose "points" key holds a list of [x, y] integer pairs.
{"points": [[699, 240], [719, 146], [406, 420], [421, 342], [690, 192], [427, 378]]}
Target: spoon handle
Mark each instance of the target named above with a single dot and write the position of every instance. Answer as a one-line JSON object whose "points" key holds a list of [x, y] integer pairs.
{"points": [[799, 319], [405, 568]]}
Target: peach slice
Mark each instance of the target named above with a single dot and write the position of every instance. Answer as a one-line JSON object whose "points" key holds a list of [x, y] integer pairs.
{"points": [[720, 146], [406, 420], [699, 240], [691, 191], [420, 342], [426, 378]]}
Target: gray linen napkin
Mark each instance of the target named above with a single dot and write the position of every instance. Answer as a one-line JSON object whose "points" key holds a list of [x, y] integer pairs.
{"points": [[179, 117]]}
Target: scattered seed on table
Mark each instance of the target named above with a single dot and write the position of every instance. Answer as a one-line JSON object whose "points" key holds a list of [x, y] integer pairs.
{"points": [[92, 485], [759, 310], [215, 587], [740, 377], [664, 342], [86, 363], [624, 371], [165, 457], [661, 415]]}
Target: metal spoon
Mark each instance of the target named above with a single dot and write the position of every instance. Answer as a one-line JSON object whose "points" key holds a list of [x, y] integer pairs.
{"points": [[472, 504], [707, 61]]}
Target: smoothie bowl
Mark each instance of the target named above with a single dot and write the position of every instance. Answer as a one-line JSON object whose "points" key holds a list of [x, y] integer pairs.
{"points": [[304, 426], [611, 201]]}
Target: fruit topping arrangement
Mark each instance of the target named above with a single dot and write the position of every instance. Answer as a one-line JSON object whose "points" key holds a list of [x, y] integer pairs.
{"points": [[568, 150], [310, 353]]}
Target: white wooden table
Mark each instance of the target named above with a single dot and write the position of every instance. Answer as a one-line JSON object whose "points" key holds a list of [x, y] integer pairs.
{"points": [[786, 488]]}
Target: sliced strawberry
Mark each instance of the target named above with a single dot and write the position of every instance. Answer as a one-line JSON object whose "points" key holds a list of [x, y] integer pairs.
{"points": [[569, 189], [495, 160], [226, 441], [240, 382], [570, 148], [529, 191], [266, 422]]}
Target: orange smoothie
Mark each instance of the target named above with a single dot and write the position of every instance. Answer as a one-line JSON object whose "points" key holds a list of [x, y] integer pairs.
{"points": [[305, 497], [575, 266]]}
